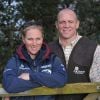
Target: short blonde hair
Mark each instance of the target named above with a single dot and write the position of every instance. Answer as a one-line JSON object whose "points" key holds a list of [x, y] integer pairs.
{"points": [[31, 25]]}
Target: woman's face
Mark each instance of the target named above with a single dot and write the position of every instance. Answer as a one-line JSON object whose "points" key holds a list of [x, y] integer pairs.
{"points": [[33, 40]]}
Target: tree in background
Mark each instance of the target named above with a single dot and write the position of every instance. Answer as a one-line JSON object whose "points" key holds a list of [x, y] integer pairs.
{"points": [[89, 16], [9, 21]]}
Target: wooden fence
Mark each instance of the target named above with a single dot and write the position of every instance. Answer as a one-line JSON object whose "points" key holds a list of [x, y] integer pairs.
{"points": [[76, 88]]}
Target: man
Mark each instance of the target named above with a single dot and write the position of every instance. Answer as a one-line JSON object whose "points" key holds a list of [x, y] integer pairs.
{"points": [[76, 52]]}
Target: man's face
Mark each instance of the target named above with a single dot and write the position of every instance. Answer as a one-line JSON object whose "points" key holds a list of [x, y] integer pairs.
{"points": [[67, 24]]}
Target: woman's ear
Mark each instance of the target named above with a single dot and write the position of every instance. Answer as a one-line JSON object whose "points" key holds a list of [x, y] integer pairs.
{"points": [[23, 39]]}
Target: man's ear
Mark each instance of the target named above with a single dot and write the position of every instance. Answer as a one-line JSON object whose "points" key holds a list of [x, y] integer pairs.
{"points": [[77, 24], [56, 24]]}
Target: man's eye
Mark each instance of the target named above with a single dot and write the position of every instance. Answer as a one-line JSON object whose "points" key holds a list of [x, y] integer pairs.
{"points": [[30, 39], [38, 39], [70, 21], [61, 22]]}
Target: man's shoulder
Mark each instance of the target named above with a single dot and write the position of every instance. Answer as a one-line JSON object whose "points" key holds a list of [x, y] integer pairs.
{"points": [[55, 47], [87, 41], [85, 46], [53, 44]]}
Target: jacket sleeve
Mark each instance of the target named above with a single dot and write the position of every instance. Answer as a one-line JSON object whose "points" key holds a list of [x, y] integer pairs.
{"points": [[12, 83], [57, 77]]}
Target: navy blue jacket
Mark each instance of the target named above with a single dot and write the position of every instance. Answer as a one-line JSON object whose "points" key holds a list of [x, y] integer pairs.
{"points": [[45, 70]]}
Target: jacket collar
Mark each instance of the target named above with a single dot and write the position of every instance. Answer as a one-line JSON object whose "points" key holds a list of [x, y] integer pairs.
{"points": [[45, 47]]}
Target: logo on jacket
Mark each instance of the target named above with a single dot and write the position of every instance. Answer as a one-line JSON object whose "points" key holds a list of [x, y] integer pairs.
{"points": [[48, 71], [22, 67], [46, 68], [78, 71]]}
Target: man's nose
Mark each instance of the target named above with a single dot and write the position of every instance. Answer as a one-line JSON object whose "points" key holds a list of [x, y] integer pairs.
{"points": [[34, 42], [66, 24]]}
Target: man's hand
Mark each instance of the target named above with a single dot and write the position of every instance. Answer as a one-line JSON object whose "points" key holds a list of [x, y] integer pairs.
{"points": [[24, 76]]}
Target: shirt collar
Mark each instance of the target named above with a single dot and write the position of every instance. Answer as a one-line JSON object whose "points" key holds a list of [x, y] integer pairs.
{"points": [[72, 42]]}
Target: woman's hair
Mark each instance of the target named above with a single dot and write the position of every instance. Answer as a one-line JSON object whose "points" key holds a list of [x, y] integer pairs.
{"points": [[31, 25]]}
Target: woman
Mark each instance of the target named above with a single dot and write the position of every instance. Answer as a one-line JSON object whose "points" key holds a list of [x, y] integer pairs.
{"points": [[33, 65]]}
